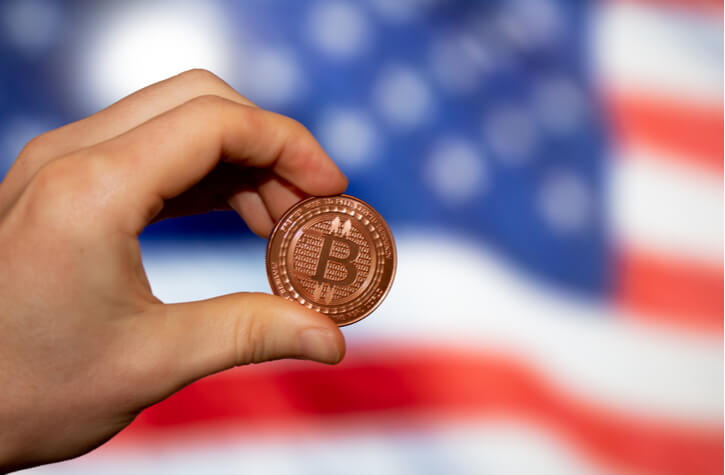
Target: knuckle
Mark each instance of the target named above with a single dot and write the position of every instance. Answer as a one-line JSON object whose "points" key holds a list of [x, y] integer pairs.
{"points": [[201, 76], [64, 188], [35, 148], [298, 126], [300, 141], [199, 82], [54, 176], [207, 104], [298, 132], [295, 127], [249, 337], [47, 192], [208, 110]]}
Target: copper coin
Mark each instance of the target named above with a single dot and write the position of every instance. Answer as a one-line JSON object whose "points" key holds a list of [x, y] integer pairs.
{"points": [[332, 254]]}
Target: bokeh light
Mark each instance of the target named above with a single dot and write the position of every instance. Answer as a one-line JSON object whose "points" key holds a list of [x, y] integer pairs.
{"points": [[130, 45]]}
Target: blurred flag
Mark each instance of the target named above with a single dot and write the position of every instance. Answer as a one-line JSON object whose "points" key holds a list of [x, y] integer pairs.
{"points": [[553, 173]]}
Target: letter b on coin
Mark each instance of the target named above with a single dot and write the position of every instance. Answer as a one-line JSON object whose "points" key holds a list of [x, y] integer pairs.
{"points": [[346, 262]]}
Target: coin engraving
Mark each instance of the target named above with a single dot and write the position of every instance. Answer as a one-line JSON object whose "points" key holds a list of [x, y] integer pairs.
{"points": [[333, 254]]}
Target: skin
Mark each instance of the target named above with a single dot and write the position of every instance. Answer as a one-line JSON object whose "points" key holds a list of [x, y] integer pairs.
{"points": [[84, 344]]}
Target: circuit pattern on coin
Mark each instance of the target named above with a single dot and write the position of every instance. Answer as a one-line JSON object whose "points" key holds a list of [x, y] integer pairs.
{"points": [[335, 255]]}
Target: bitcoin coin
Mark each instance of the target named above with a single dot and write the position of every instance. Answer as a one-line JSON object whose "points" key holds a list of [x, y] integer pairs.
{"points": [[333, 254]]}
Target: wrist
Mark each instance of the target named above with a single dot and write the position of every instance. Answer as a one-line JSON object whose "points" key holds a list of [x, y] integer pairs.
{"points": [[15, 449]]}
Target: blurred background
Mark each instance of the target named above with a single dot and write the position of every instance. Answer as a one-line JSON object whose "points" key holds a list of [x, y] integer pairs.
{"points": [[552, 172]]}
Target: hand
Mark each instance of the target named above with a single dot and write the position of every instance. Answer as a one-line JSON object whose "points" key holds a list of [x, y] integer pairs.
{"points": [[84, 344]]}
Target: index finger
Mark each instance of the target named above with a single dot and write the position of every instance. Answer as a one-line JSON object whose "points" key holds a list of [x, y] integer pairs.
{"points": [[114, 120], [167, 155]]}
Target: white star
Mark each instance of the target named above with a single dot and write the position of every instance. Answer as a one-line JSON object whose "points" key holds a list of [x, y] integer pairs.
{"points": [[339, 29], [402, 96], [348, 136], [455, 170], [565, 202]]}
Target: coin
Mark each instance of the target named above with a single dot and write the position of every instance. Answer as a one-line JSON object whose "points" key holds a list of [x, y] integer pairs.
{"points": [[333, 254]]}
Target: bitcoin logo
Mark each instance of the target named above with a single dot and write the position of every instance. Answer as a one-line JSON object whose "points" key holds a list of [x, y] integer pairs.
{"points": [[334, 255], [336, 234], [347, 262]]}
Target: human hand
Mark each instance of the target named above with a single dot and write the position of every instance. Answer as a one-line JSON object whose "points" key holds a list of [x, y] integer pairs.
{"points": [[84, 344]]}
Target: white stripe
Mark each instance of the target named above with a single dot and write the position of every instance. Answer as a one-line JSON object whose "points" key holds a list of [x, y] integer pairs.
{"points": [[660, 204], [655, 49], [472, 449], [450, 291]]}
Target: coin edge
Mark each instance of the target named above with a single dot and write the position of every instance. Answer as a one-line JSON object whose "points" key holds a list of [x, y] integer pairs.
{"points": [[393, 246]]}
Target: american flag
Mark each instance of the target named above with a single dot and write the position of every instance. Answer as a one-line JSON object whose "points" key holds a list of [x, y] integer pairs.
{"points": [[552, 171]]}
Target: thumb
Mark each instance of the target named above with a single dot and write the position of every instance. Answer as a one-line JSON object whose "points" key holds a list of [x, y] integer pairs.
{"points": [[196, 339]]}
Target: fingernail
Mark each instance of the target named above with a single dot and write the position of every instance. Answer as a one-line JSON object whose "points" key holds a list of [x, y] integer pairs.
{"points": [[319, 344]]}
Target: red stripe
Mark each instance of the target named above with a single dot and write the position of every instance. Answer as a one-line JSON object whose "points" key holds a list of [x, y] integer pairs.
{"points": [[410, 385], [689, 132], [671, 291], [708, 6]]}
